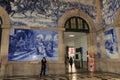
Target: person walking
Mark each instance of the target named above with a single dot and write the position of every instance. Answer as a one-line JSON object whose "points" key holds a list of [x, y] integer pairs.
{"points": [[43, 66], [71, 61]]}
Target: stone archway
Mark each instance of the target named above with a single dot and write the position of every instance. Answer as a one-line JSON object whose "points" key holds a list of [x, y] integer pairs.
{"points": [[91, 39], [79, 13], [5, 18], [91, 35], [5, 39]]}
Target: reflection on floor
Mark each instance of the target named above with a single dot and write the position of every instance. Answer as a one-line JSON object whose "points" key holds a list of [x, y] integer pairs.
{"points": [[74, 76], [71, 74], [73, 69]]}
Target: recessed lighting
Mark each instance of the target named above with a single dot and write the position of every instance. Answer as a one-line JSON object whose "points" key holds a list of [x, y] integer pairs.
{"points": [[71, 35]]}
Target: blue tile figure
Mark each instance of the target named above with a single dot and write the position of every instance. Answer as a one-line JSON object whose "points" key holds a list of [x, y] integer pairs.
{"points": [[42, 12], [109, 9], [6, 4], [29, 45], [111, 46]]}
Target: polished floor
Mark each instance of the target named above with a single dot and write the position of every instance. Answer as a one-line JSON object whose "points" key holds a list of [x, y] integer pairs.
{"points": [[71, 74], [75, 76]]}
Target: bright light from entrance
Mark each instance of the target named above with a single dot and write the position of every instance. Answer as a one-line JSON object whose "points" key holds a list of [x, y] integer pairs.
{"points": [[71, 35]]}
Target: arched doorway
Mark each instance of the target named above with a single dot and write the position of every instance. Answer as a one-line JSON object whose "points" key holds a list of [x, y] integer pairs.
{"points": [[88, 29], [75, 39], [76, 24], [5, 29]]}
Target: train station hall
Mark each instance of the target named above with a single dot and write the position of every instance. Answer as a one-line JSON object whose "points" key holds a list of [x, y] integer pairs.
{"points": [[59, 40]]}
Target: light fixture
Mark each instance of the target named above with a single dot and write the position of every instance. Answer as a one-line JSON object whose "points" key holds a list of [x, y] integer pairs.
{"points": [[71, 35]]}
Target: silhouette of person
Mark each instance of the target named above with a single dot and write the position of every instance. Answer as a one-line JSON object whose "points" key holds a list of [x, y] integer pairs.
{"points": [[43, 66], [67, 60], [71, 61]]}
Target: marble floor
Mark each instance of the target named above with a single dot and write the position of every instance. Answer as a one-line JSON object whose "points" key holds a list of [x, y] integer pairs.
{"points": [[71, 74]]}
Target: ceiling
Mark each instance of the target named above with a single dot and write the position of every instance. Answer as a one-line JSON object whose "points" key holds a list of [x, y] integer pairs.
{"points": [[76, 36]]}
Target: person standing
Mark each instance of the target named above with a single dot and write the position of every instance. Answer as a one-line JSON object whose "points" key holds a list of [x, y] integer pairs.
{"points": [[43, 66]]}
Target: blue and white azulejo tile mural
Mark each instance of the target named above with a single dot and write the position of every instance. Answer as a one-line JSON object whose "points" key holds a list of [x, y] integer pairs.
{"points": [[111, 44], [30, 45], [45, 13], [109, 9]]}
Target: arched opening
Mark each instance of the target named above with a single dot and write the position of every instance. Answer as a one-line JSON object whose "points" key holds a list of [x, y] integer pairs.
{"points": [[83, 41], [76, 24], [4, 38], [75, 40]]}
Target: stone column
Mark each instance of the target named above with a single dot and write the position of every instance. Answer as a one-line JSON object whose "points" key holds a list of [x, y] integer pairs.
{"points": [[98, 15], [91, 41], [61, 47], [4, 49]]}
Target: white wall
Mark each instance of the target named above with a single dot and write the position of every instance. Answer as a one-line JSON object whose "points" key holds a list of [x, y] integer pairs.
{"points": [[77, 42], [82, 42], [70, 43]]}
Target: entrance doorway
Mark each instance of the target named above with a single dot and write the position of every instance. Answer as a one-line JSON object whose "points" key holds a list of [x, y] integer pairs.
{"points": [[75, 40], [76, 47], [77, 21]]}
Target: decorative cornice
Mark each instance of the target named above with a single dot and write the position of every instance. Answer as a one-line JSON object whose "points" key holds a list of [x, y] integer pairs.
{"points": [[38, 28]]}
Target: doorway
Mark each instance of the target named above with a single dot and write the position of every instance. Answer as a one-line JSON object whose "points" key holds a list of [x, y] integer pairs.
{"points": [[78, 21], [76, 47]]}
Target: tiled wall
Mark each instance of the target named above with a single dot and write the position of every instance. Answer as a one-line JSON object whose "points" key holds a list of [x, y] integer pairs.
{"points": [[109, 9], [43, 13]]}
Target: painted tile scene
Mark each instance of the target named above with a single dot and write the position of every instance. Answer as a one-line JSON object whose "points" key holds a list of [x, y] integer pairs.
{"points": [[30, 45]]}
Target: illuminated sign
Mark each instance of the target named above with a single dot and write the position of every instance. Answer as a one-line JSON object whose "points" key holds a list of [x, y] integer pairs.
{"points": [[71, 50]]}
